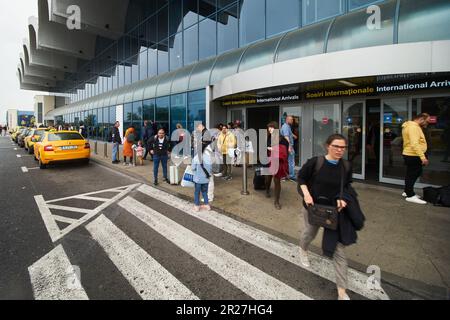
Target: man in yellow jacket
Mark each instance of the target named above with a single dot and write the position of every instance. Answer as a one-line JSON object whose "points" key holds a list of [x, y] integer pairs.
{"points": [[414, 154], [226, 143]]}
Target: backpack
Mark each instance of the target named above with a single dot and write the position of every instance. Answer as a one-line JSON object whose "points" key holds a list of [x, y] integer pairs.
{"points": [[131, 137]]}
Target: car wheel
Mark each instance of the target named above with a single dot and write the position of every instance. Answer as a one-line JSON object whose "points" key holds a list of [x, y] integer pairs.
{"points": [[30, 151], [41, 165], [86, 162]]}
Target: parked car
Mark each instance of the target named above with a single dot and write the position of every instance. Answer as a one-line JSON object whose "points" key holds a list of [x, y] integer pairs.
{"points": [[61, 146], [32, 138], [21, 137]]}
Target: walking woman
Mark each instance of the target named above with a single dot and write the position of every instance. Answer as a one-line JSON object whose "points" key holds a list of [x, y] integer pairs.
{"points": [[320, 182], [130, 137], [278, 166]]}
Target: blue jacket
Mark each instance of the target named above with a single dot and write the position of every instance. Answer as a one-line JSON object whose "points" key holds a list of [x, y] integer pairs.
{"points": [[199, 174]]}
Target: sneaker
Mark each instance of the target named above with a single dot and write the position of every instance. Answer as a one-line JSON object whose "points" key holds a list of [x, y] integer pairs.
{"points": [[125, 164], [196, 209], [304, 258], [293, 179], [167, 180], [404, 195], [155, 183], [218, 174], [415, 199], [277, 206], [206, 207], [229, 178], [344, 297]]}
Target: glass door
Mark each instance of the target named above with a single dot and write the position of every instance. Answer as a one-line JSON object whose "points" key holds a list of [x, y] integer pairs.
{"points": [[238, 115], [394, 112], [326, 121], [353, 125], [296, 113]]}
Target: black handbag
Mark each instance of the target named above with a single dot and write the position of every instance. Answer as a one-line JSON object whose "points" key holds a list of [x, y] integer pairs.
{"points": [[326, 216]]}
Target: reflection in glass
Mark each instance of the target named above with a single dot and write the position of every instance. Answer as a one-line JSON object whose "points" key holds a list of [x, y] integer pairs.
{"points": [[162, 113], [196, 108], [207, 38], [176, 51], [227, 29], [281, 18], [191, 45], [326, 123], [352, 129], [252, 21], [395, 113], [177, 111], [438, 139]]}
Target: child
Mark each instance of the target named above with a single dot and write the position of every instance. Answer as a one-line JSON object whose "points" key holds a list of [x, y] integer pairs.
{"points": [[140, 152], [202, 169]]}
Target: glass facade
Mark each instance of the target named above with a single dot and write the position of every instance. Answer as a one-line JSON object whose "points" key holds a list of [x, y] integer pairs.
{"points": [[182, 32]]}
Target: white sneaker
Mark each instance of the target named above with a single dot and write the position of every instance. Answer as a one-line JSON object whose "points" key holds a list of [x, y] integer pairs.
{"points": [[304, 258], [218, 174], [415, 199], [404, 195], [125, 164]]}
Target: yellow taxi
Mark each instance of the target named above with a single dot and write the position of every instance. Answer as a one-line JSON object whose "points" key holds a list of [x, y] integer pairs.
{"points": [[32, 138], [60, 146], [16, 131]]}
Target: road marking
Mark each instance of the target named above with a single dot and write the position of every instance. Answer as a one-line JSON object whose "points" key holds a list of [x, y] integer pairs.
{"points": [[241, 274], [49, 220], [54, 278], [15, 149], [357, 281], [18, 156], [24, 169], [150, 279], [64, 219]]}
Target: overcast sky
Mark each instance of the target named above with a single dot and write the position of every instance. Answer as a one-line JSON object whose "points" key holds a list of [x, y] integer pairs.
{"points": [[13, 28]]}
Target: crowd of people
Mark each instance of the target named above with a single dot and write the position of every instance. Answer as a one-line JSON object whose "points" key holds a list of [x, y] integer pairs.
{"points": [[3, 130]]}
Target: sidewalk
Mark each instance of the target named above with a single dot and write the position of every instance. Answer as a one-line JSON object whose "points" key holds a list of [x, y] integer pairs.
{"points": [[410, 243]]}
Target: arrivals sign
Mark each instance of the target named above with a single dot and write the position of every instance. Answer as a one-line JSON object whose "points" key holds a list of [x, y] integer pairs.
{"points": [[371, 89]]}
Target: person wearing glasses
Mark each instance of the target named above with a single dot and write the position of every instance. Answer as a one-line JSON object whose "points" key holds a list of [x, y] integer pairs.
{"points": [[320, 182]]}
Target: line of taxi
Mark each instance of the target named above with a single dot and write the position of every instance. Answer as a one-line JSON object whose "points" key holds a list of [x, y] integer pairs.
{"points": [[50, 146]]}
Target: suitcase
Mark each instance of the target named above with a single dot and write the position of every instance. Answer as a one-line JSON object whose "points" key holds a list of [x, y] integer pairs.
{"points": [[259, 180], [174, 175], [431, 195]]}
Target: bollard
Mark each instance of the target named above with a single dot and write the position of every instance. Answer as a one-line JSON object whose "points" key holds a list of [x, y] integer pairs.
{"points": [[244, 191], [95, 148], [105, 150], [134, 157]]}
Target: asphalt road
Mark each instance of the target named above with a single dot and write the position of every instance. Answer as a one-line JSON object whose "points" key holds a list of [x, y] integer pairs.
{"points": [[127, 240]]}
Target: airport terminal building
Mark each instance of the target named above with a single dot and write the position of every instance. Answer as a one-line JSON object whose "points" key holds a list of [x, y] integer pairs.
{"points": [[358, 67]]}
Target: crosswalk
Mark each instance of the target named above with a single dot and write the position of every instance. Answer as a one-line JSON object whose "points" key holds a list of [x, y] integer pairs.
{"points": [[53, 276]]}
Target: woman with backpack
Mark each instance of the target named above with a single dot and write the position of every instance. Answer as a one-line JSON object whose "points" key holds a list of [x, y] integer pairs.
{"points": [[325, 181], [130, 139]]}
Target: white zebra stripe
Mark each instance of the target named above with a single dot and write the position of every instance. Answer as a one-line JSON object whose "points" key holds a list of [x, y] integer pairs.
{"points": [[241, 274], [150, 280], [357, 281], [54, 278]]}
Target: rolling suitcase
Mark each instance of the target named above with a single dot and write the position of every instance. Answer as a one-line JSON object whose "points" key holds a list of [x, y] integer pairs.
{"points": [[174, 176], [259, 181]]}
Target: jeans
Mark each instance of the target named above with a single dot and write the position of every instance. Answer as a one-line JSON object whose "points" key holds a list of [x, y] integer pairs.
{"points": [[156, 160], [115, 151], [203, 188], [291, 160], [414, 170]]}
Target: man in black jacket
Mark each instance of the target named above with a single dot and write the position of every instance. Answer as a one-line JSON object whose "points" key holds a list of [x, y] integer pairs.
{"points": [[160, 148], [116, 140], [147, 134]]}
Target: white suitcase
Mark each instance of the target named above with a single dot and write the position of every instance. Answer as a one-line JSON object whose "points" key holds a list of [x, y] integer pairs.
{"points": [[174, 175]]}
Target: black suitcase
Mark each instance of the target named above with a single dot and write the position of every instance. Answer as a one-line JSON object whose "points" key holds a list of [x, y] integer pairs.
{"points": [[259, 181], [444, 196], [431, 195]]}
